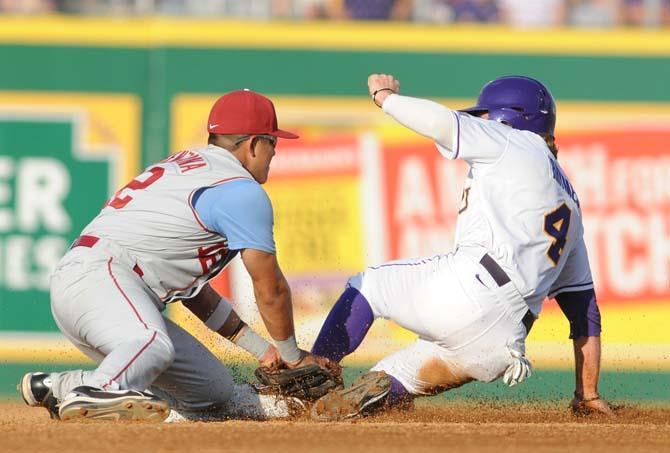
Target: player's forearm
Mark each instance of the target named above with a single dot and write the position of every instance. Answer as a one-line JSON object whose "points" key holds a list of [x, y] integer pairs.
{"points": [[273, 297], [276, 310], [203, 304], [217, 314], [587, 366], [581, 309], [424, 117]]}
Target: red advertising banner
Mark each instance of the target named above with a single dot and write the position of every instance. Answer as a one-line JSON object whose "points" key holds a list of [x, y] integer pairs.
{"points": [[623, 181], [622, 178], [422, 195]]}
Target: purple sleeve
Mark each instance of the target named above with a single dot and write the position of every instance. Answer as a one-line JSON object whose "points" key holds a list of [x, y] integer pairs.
{"points": [[345, 327], [581, 309]]}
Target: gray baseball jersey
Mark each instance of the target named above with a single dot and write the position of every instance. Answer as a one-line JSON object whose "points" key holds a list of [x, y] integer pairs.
{"points": [[153, 219]]}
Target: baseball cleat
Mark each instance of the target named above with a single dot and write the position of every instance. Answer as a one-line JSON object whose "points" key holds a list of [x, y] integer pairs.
{"points": [[91, 403], [35, 389], [368, 393]]}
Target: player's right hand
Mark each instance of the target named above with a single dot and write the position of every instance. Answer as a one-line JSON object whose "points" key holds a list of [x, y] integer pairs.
{"points": [[385, 82], [271, 359], [309, 358]]}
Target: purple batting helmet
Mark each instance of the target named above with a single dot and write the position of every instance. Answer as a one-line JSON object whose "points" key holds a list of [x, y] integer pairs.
{"points": [[518, 101]]}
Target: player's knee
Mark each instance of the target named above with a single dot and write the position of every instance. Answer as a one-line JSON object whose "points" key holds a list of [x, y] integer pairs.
{"points": [[163, 350], [215, 388], [220, 384], [221, 389]]}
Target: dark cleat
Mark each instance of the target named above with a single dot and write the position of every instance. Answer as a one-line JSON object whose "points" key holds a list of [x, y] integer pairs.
{"points": [[365, 396], [35, 389]]}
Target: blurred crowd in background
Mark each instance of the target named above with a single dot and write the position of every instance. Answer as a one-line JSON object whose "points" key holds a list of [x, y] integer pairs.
{"points": [[516, 13]]}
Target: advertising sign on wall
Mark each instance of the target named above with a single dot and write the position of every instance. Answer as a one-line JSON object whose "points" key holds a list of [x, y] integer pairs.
{"points": [[60, 155]]}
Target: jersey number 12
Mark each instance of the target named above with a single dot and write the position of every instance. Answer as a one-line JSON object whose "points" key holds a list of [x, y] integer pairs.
{"points": [[556, 225], [141, 182]]}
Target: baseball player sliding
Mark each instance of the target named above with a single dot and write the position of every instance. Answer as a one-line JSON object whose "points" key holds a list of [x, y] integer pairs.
{"points": [[161, 238], [518, 241]]}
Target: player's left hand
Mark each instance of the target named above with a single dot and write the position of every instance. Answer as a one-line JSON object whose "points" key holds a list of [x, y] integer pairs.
{"points": [[271, 359], [380, 86], [591, 406], [519, 370]]}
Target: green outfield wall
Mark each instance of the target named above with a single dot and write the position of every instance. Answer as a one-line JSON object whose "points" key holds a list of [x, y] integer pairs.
{"points": [[318, 60]]}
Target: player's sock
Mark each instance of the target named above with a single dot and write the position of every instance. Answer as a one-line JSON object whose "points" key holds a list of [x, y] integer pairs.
{"points": [[398, 395], [345, 327]]}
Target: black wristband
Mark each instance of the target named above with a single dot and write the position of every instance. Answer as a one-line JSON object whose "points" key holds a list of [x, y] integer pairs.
{"points": [[377, 91]]}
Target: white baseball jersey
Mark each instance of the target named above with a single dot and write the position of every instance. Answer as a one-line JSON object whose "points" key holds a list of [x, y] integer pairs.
{"points": [[520, 207], [153, 219]]}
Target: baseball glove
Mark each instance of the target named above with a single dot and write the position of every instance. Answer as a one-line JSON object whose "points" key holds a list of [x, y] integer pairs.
{"points": [[309, 382]]}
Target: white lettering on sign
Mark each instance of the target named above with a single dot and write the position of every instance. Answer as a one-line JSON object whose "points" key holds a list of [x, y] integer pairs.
{"points": [[28, 262], [17, 262], [425, 211], [415, 197], [322, 159], [6, 171], [593, 232], [605, 181], [659, 238], [627, 271], [625, 202], [32, 192], [629, 251], [47, 252], [649, 181], [587, 170], [42, 185]]}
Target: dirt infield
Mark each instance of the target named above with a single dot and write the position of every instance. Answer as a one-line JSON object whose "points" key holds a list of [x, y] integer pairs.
{"points": [[428, 428]]}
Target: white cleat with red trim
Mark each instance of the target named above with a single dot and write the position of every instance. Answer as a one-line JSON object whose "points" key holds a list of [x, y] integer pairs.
{"points": [[92, 403]]}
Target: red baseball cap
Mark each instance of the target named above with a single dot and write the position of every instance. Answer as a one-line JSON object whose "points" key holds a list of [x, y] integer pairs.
{"points": [[245, 112]]}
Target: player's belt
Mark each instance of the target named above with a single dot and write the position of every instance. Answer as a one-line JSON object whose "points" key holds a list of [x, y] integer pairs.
{"points": [[88, 241], [501, 278]]}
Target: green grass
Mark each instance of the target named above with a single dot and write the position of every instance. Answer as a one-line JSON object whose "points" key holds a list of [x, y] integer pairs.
{"points": [[644, 387]]}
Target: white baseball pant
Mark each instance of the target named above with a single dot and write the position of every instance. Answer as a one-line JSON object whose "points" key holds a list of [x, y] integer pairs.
{"points": [[105, 309], [465, 320]]}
